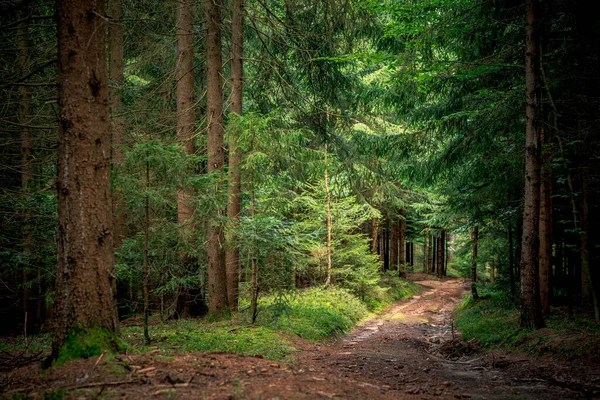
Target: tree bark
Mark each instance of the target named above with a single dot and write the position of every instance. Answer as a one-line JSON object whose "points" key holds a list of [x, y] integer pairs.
{"points": [[440, 255], [425, 265], [217, 276], [232, 255], [545, 257], [184, 75], [394, 245], [328, 222], [430, 255], [474, 263], [117, 119], [402, 241], [85, 278], [511, 260], [531, 313], [27, 172], [374, 235]]}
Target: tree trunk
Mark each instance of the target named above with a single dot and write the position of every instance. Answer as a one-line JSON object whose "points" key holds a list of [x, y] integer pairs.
{"points": [[588, 291], [474, 263], [85, 278], [184, 76], [217, 276], [402, 241], [374, 235], [511, 260], [545, 257], [328, 222], [26, 159], [425, 265], [440, 255], [117, 119], [394, 243], [232, 255], [531, 313], [430, 254], [145, 271]]}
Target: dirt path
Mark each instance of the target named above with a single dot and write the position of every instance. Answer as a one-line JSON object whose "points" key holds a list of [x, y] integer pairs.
{"points": [[410, 351]]}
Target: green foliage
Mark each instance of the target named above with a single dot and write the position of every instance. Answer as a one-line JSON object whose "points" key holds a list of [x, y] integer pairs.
{"points": [[493, 322], [87, 342], [313, 314], [188, 335]]}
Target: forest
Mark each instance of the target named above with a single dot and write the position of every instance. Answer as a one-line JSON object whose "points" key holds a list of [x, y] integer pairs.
{"points": [[299, 199]]}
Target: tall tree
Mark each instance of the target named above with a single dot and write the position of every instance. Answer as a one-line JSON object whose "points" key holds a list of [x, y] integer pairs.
{"points": [[85, 277], [217, 277], [232, 255], [184, 75], [475, 242], [531, 313], [545, 257], [117, 118]]}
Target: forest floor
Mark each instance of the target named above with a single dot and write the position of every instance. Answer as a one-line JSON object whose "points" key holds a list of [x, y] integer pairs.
{"points": [[410, 351]]}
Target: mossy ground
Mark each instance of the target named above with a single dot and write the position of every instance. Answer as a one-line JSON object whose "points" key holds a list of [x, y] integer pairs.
{"points": [[494, 323]]}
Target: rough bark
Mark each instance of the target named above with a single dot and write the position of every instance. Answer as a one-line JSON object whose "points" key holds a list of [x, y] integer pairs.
{"points": [[545, 257], [184, 75], [232, 255], [217, 276], [85, 278], [531, 313], [117, 119], [475, 239]]}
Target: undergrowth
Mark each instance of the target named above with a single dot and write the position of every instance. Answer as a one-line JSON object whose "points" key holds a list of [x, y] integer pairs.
{"points": [[314, 314], [493, 322]]}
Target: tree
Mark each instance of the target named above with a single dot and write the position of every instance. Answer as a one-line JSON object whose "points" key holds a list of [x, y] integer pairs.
{"points": [[217, 278], [184, 75], [85, 278], [117, 125], [475, 238], [232, 256], [531, 313]]}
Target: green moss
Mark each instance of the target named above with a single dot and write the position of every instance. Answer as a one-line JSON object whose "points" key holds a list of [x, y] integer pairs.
{"points": [[88, 342]]}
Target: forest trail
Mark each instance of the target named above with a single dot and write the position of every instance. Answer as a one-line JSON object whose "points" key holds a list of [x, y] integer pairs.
{"points": [[410, 351]]}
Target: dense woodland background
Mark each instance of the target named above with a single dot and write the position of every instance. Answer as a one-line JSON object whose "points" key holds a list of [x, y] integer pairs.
{"points": [[269, 146]]}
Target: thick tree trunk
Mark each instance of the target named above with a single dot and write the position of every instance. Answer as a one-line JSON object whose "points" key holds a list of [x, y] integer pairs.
{"points": [[531, 313], [475, 239], [232, 255], [184, 75], [85, 278], [217, 276], [117, 119], [545, 257]]}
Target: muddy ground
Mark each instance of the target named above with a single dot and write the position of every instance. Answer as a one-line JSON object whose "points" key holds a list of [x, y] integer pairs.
{"points": [[411, 351]]}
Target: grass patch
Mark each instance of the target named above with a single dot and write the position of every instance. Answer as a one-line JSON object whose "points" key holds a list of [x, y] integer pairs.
{"points": [[187, 335], [494, 323], [390, 290], [313, 314]]}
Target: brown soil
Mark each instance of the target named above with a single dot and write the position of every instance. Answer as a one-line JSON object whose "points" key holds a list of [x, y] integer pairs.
{"points": [[411, 351]]}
